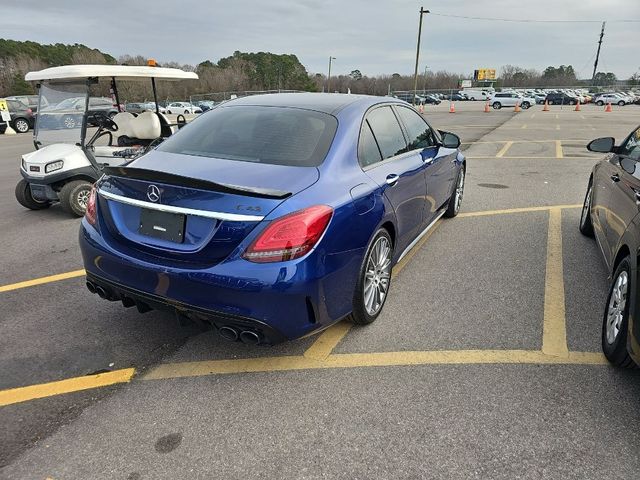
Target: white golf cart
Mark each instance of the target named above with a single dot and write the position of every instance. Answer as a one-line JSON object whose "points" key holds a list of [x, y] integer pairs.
{"points": [[76, 134]]}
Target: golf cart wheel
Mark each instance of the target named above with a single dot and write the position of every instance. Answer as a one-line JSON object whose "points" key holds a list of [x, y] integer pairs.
{"points": [[497, 105], [74, 197], [21, 125], [24, 197]]}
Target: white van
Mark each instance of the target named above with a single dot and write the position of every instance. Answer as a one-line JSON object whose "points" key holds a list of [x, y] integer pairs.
{"points": [[477, 93]]}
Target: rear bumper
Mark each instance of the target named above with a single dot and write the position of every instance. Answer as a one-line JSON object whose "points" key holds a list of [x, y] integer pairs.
{"points": [[281, 301], [144, 302]]}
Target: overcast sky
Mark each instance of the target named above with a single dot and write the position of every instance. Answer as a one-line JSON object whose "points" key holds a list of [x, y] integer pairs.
{"points": [[373, 36]]}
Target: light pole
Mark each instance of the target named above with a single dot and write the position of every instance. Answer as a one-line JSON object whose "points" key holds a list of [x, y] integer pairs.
{"points": [[329, 75], [415, 75]]}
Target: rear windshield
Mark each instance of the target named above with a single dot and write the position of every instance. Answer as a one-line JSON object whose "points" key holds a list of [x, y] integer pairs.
{"points": [[274, 135]]}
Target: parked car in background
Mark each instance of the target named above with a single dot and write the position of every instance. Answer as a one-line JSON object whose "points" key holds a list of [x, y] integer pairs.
{"points": [[182, 107], [431, 100], [409, 97], [561, 98], [611, 213], [135, 107], [477, 93], [455, 97], [22, 118], [206, 105], [69, 112], [273, 216], [151, 106], [30, 100], [540, 98], [510, 99], [614, 98]]}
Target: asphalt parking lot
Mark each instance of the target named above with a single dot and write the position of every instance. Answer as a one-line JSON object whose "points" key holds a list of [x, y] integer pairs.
{"points": [[485, 362]]}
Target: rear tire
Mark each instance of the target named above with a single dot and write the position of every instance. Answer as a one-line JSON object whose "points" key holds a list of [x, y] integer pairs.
{"points": [[24, 197], [456, 197], [68, 121], [621, 103], [74, 197], [586, 226], [374, 280], [21, 125], [525, 105], [497, 105], [615, 323], [600, 103]]}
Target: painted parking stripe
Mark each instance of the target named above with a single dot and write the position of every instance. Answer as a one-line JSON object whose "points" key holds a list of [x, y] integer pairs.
{"points": [[69, 385], [554, 330], [483, 213], [361, 360], [42, 280]]}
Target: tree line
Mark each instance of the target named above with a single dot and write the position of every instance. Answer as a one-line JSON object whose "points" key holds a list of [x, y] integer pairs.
{"points": [[241, 72]]}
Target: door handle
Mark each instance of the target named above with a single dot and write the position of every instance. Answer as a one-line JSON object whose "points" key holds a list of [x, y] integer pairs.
{"points": [[392, 179], [615, 177]]}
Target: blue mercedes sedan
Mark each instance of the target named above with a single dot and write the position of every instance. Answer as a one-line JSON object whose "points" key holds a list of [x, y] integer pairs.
{"points": [[272, 217]]}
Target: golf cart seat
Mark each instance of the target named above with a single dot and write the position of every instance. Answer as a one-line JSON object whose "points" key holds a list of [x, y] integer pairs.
{"points": [[140, 130]]}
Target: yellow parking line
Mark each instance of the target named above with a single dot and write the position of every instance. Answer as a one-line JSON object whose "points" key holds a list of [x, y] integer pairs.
{"points": [[554, 336], [327, 341], [504, 149], [42, 280], [483, 213], [378, 359], [559, 152], [31, 392]]}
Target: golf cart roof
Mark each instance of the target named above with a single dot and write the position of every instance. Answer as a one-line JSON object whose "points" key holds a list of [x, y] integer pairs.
{"points": [[123, 72]]}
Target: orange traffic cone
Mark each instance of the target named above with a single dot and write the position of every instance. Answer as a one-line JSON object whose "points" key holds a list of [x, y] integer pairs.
{"points": [[577, 109], [608, 108], [517, 109], [546, 106], [452, 108], [486, 107]]}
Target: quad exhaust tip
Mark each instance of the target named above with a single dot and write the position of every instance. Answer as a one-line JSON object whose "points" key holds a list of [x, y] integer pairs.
{"points": [[91, 287], [249, 337], [228, 333]]}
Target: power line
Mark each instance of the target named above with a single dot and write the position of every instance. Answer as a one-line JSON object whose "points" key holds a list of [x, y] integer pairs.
{"points": [[524, 20]]}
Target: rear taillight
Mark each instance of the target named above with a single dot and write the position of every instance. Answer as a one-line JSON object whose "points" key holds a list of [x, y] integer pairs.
{"points": [[291, 236], [90, 213]]}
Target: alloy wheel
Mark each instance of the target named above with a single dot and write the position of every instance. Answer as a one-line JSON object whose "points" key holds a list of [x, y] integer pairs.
{"points": [[459, 191], [616, 309], [69, 122], [22, 126], [586, 208], [377, 276]]}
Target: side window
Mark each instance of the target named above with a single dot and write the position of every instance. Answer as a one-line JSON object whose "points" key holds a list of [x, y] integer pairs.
{"points": [[386, 129], [368, 151], [631, 147], [419, 133]]}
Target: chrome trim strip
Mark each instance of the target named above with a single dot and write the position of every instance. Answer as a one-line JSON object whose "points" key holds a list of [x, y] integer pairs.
{"points": [[233, 217], [422, 234]]}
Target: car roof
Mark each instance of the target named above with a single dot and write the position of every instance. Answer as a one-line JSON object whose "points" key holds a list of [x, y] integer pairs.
{"points": [[330, 103]]}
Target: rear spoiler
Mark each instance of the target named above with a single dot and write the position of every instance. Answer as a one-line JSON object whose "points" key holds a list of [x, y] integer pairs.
{"points": [[179, 180]]}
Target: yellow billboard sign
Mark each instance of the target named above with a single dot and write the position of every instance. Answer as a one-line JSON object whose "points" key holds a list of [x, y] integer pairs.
{"points": [[484, 74]]}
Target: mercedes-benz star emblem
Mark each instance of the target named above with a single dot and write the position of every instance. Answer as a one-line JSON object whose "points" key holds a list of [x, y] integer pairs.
{"points": [[153, 193]]}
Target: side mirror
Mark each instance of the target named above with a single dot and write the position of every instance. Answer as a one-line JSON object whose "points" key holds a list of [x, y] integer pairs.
{"points": [[450, 140], [601, 145]]}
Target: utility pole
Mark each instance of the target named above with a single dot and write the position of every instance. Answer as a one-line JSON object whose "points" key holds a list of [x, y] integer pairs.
{"points": [[595, 65], [424, 86], [415, 75], [329, 75]]}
